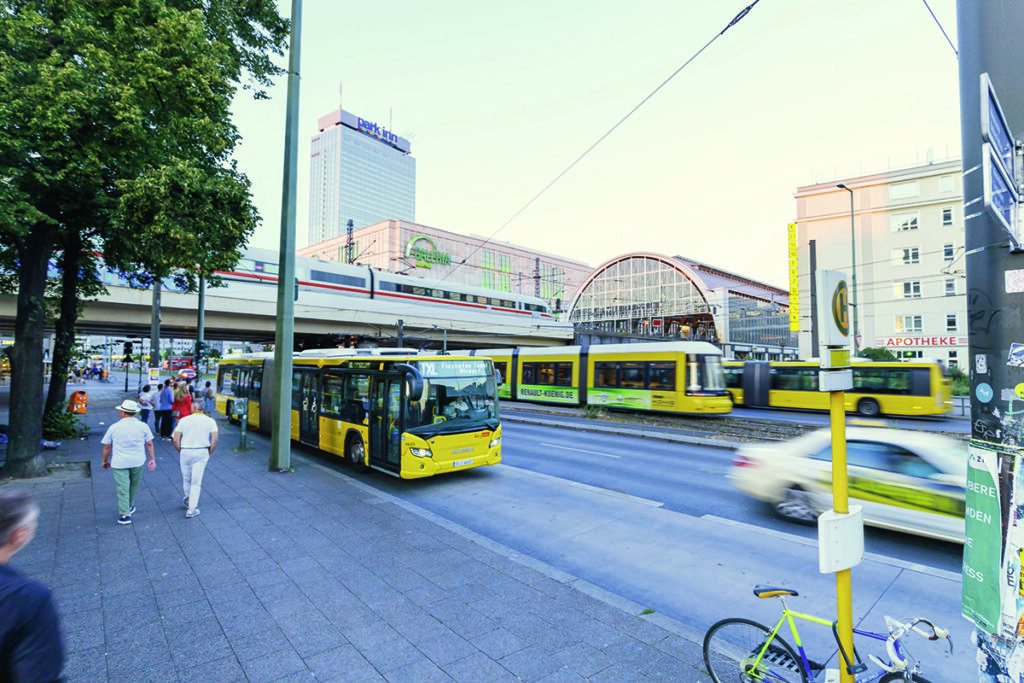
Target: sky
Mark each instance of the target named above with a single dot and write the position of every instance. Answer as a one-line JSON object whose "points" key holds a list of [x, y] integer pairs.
{"points": [[498, 98]]}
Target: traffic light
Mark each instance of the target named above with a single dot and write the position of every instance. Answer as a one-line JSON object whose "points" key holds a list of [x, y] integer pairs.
{"points": [[127, 348]]}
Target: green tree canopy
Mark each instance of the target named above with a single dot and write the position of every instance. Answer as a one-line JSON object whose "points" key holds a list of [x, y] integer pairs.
{"points": [[115, 138]]}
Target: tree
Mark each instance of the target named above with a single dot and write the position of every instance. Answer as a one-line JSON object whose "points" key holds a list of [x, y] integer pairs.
{"points": [[115, 138], [877, 353]]}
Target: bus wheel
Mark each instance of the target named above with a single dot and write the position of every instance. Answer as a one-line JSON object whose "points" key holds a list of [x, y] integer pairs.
{"points": [[355, 454], [868, 407]]}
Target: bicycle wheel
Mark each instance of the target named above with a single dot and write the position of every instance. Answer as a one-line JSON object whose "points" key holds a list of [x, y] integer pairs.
{"points": [[897, 676], [731, 645]]}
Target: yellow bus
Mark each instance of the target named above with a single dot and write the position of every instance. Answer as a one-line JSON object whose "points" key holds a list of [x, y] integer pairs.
{"points": [[395, 410], [677, 377], [879, 387]]}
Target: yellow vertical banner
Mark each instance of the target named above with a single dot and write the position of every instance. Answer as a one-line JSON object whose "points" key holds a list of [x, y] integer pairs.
{"points": [[794, 291]]}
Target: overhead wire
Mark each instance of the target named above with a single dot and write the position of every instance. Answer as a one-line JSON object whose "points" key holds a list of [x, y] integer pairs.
{"points": [[735, 20], [939, 24]]}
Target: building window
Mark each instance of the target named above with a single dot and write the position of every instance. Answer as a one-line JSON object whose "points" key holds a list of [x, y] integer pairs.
{"points": [[906, 256], [946, 183], [947, 252], [952, 359], [947, 216], [901, 222], [908, 290], [908, 323], [951, 322], [903, 190], [950, 287]]}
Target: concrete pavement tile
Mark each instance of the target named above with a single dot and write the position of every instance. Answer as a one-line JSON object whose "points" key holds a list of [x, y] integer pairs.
{"points": [[628, 651], [268, 575], [223, 670], [583, 659], [86, 666], [257, 644], [310, 640], [416, 625], [531, 663], [664, 667], [427, 595], [140, 665], [282, 662], [191, 650], [82, 630], [562, 676], [478, 668], [168, 599], [461, 618], [179, 615], [446, 648], [80, 600], [388, 655], [635, 626], [137, 607], [499, 643], [373, 630], [245, 624], [217, 578], [621, 673], [681, 648], [421, 671], [179, 636]]}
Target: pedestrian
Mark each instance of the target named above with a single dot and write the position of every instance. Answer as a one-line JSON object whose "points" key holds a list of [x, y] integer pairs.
{"points": [[207, 397], [145, 405], [182, 406], [195, 437], [31, 648], [164, 403], [125, 446]]}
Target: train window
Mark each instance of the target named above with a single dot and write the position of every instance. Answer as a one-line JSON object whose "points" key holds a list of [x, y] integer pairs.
{"points": [[508, 304], [481, 299], [420, 291], [563, 374], [437, 293], [606, 375], [632, 375], [338, 279], [529, 372], [546, 373], [246, 266], [387, 286], [661, 375]]}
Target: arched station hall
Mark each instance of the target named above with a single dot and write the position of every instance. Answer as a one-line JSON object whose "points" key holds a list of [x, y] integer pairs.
{"points": [[642, 296]]}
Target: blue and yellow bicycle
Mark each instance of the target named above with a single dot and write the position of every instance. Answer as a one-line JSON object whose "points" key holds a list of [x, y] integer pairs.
{"points": [[743, 651]]}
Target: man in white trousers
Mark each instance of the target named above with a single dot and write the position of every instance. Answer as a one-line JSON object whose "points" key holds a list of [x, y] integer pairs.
{"points": [[195, 437]]}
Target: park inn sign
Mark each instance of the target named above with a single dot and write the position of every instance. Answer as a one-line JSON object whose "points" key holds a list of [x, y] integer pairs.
{"points": [[920, 341]]}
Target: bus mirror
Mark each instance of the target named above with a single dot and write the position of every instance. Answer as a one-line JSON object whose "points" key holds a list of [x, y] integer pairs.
{"points": [[414, 391]]}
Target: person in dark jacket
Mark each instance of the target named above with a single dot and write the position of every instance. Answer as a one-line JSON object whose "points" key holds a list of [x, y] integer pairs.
{"points": [[31, 648]]}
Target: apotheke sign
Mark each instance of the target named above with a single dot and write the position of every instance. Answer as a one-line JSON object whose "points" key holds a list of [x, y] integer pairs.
{"points": [[920, 341]]}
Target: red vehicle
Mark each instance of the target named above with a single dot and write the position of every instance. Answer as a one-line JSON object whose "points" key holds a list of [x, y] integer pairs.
{"points": [[175, 363], [187, 373]]}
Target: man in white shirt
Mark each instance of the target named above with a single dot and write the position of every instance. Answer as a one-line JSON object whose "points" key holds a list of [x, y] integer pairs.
{"points": [[125, 446], [195, 437]]}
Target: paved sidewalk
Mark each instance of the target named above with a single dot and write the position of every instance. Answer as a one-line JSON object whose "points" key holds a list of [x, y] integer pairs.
{"points": [[311, 575]]}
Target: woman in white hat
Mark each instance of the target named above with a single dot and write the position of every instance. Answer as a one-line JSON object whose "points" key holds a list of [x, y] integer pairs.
{"points": [[125, 446]]}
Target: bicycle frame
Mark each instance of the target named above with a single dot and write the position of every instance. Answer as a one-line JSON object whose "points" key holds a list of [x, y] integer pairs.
{"points": [[790, 616]]}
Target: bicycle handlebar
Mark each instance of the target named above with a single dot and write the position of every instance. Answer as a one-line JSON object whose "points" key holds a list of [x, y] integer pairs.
{"points": [[897, 630]]}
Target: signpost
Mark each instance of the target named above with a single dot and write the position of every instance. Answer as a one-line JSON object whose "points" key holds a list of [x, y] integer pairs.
{"points": [[998, 164]]}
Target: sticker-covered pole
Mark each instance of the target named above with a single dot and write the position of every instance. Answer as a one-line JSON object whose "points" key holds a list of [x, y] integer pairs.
{"points": [[991, 107]]}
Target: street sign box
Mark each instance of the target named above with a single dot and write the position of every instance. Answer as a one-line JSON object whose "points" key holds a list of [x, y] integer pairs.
{"points": [[999, 192], [996, 131]]}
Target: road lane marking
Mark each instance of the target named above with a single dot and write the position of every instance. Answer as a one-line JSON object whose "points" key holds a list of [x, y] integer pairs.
{"points": [[884, 559], [512, 469], [581, 450]]}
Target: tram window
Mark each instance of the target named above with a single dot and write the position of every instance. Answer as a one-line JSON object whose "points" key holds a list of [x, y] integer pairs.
{"points": [[501, 368], [563, 375], [632, 375], [662, 375], [529, 372], [733, 376], [546, 373], [605, 375]]}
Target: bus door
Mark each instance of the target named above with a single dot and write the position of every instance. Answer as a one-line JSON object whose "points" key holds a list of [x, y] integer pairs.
{"points": [[306, 388], [386, 397]]}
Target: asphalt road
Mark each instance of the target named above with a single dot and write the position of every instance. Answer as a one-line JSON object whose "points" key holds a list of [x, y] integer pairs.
{"points": [[659, 524]]}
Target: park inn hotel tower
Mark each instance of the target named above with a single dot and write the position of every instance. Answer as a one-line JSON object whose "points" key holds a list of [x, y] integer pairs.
{"points": [[359, 171]]}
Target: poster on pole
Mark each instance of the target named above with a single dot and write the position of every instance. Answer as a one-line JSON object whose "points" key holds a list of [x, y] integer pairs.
{"points": [[983, 541]]}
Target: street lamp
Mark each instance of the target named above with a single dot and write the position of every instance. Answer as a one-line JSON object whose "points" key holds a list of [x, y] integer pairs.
{"points": [[853, 267]]}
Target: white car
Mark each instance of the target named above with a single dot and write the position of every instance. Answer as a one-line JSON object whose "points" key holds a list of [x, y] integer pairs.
{"points": [[905, 480]]}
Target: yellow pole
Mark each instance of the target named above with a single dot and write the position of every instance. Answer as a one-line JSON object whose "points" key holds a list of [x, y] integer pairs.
{"points": [[841, 504]]}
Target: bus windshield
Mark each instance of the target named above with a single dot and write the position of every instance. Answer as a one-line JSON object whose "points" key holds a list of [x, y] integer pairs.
{"points": [[458, 396]]}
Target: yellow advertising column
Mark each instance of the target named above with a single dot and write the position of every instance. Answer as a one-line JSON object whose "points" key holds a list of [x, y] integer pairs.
{"points": [[840, 530]]}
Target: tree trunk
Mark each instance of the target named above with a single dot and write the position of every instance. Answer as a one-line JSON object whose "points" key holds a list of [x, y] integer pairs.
{"points": [[64, 328], [24, 456]]}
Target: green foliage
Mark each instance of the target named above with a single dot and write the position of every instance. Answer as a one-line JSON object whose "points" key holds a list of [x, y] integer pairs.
{"points": [[60, 424], [878, 353], [961, 382], [596, 412]]}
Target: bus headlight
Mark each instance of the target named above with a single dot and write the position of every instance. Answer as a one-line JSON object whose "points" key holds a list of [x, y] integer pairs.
{"points": [[422, 452], [495, 442]]}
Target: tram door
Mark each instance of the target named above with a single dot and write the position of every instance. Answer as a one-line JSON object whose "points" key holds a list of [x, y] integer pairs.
{"points": [[306, 400], [386, 396]]}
